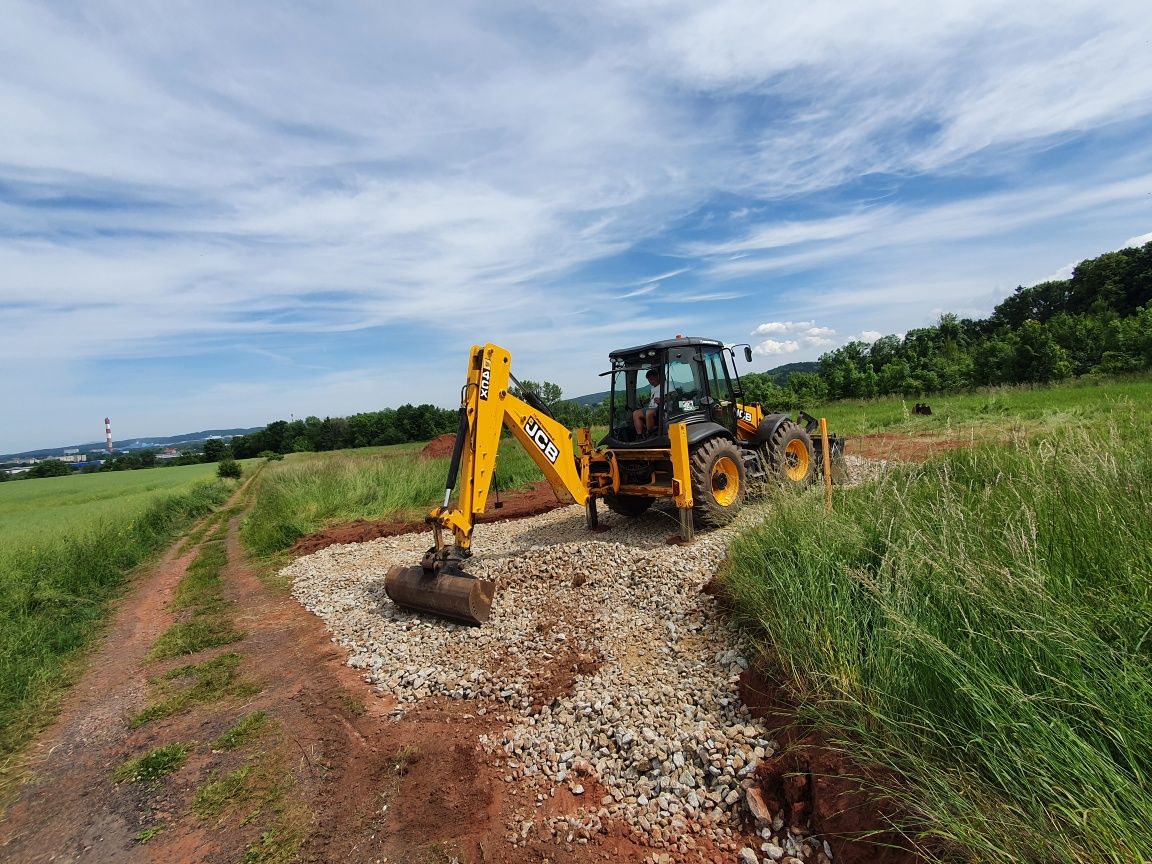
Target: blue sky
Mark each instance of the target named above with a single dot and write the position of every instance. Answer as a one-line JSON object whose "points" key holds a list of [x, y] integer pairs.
{"points": [[218, 214]]}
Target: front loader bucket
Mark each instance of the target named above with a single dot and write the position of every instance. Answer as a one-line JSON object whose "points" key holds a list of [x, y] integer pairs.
{"points": [[443, 590]]}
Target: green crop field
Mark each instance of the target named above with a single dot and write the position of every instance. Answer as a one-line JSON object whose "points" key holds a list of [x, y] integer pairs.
{"points": [[35, 509], [1029, 408]]}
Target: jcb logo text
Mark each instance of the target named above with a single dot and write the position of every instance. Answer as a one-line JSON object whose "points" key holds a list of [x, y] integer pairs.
{"points": [[485, 379], [540, 437]]}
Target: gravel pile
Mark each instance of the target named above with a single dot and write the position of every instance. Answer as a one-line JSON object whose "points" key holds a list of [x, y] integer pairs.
{"points": [[615, 673]]}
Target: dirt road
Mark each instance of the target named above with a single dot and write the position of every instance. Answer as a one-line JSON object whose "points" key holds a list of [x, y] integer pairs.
{"points": [[325, 780]]}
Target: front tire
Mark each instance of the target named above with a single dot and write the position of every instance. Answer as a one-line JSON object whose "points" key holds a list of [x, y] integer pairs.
{"points": [[790, 455], [718, 483]]}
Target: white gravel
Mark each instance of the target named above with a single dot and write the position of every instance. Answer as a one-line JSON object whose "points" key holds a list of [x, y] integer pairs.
{"points": [[650, 729]]}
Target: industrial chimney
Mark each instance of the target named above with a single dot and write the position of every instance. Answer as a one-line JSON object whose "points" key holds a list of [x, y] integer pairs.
{"points": [[108, 434]]}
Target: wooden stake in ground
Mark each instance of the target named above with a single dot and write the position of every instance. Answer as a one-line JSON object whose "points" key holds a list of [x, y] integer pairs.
{"points": [[827, 464]]}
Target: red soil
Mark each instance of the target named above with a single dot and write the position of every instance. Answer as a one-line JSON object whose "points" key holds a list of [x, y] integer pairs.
{"points": [[902, 447], [439, 447], [817, 788], [518, 504]]}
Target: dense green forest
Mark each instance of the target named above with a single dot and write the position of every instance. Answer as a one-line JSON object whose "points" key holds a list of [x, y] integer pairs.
{"points": [[369, 429], [1098, 321]]}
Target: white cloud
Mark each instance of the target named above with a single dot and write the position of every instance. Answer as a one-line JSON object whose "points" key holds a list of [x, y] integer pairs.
{"points": [[771, 347], [870, 335], [782, 327], [1139, 240], [805, 335], [180, 177], [1064, 272]]}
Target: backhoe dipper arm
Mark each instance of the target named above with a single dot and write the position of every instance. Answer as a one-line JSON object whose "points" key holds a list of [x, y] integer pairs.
{"points": [[486, 406]]}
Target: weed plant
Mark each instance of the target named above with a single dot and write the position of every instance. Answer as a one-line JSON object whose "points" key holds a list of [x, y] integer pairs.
{"points": [[54, 591], [241, 732], [229, 791], [979, 629], [299, 497], [152, 766], [200, 596], [196, 684]]}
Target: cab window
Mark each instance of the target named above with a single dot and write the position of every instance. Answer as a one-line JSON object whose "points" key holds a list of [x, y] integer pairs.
{"points": [[684, 389], [719, 386]]}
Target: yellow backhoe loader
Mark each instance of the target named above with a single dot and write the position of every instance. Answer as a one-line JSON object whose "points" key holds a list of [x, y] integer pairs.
{"points": [[706, 451]]}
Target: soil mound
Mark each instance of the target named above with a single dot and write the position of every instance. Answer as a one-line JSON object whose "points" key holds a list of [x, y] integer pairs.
{"points": [[530, 501], [439, 447]]}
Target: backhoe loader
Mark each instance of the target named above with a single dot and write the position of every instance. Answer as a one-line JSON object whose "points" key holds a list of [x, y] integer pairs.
{"points": [[707, 452]]}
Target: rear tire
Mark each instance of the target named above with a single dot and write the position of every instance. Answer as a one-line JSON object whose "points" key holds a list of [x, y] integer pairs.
{"points": [[718, 482], [790, 455], [628, 505]]}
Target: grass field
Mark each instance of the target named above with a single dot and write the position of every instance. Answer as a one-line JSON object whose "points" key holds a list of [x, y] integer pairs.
{"points": [[980, 627], [1026, 408], [302, 495], [66, 546], [32, 509]]}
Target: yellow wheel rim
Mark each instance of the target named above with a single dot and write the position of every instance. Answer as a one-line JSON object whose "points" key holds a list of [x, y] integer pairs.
{"points": [[725, 481], [796, 460]]}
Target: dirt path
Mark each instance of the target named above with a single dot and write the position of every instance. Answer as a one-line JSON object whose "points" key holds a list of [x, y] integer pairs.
{"points": [[331, 778], [71, 811]]}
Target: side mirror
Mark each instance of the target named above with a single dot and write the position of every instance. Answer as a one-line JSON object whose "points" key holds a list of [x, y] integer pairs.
{"points": [[748, 353]]}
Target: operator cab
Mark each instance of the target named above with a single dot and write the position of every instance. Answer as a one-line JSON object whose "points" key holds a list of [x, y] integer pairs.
{"points": [[699, 388]]}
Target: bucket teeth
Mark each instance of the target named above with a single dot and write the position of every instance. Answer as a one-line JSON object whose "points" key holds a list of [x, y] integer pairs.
{"points": [[442, 589]]}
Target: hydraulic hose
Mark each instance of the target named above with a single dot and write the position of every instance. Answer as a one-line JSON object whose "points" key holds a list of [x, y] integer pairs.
{"points": [[457, 452]]}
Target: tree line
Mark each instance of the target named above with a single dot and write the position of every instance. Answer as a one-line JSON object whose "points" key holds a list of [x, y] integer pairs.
{"points": [[1099, 321]]}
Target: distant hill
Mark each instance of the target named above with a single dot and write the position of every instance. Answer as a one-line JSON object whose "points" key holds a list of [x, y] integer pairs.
{"points": [[134, 443], [591, 399], [779, 376]]}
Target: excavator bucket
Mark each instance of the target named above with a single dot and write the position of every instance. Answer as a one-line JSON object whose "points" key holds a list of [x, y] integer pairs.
{"points": [[440, 588]]}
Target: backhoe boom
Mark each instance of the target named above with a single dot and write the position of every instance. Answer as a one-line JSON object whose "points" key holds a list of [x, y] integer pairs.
{"points": [[438, 584]]}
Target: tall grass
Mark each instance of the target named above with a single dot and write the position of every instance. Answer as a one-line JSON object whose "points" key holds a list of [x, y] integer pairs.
{"points": [[54, 592], [299, 497], [980, 628]]}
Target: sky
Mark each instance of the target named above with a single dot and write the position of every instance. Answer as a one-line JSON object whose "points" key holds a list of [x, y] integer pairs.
{"points": [[215, 214]]}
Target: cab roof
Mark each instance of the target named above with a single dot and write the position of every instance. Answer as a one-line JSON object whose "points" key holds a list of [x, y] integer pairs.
{"points": [[663, 344]]}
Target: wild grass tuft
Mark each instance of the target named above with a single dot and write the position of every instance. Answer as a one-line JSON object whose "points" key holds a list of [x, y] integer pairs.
{"points": [[197, 684], [260, 793], [201, 586], [154, 765], [978, 627], [242, 731], [212, 798], [149, 833], [190, 637], [405, 758]]}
